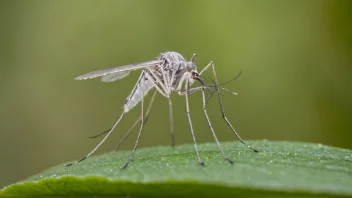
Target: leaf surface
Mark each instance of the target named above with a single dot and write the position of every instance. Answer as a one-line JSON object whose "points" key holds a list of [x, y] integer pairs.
{"points": [[280, 169]]}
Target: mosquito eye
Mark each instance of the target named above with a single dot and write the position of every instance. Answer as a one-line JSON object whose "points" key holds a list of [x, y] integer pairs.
{"points": [[195, 73]]}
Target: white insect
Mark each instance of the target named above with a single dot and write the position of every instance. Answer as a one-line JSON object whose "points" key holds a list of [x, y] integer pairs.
{"points": [[171, 72]]}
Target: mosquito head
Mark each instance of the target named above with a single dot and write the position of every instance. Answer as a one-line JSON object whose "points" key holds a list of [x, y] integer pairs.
{"points": [[191, 66], [196, 76]]}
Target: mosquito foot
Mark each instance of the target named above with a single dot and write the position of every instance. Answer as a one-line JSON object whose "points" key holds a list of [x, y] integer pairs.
{"points": [[68, 164], [202, 163], [229, 160], [125, 166], [255, 150]]}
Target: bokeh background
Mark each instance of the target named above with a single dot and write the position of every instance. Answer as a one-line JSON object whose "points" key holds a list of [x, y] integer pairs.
{"points": [[295, 57]]}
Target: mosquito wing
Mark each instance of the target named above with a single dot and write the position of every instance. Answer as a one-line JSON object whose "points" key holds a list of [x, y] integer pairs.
{"points": [[115, 70], [115, 76]]}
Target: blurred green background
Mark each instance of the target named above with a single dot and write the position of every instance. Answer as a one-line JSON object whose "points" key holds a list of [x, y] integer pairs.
{"points": [[295, 56]]}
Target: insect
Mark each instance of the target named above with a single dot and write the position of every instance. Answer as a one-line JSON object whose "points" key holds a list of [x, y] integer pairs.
{"points": [[169, 73]]}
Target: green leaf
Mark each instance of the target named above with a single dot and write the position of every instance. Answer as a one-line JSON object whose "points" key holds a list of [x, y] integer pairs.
{"points": [[280, 169]]}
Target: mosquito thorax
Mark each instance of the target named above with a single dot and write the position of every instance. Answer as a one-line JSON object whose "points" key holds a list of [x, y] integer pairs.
{"points": [[172, 58]]}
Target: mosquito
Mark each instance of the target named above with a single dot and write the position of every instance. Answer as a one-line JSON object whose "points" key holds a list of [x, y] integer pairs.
{"points": [[169, 73]]}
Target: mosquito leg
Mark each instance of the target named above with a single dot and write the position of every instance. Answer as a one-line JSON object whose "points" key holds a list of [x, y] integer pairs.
{"points": [[212, 130], [127, 134], [171, 123], [139, 134], [223, 112], [136, 122], [113, 127], [193, 58], [166, 80], [159, 81], [211, 94], [95, 136], [132, 127], [205, 68], [100, 143], [191, 127], [161, 91], [190, 91]]}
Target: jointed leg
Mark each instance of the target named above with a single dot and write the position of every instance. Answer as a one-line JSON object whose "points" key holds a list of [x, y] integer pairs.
{"points": [[190, 124], [161, 91], [139, 134], [171, 123], [206, 67], [222, 109], [190, 91], [159, 81], [212, 130], [193, 58], [136, 122], [101, 142]]}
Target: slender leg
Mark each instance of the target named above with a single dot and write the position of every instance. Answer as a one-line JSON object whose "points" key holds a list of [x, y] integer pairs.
{"points": [[190, 91], [190, 124], [161, 91], [95, 136], [212, 130], [205, 68], [166, 80], [193, 58], [222, 109], [127, 134], [101, 142], [158, 80], [143, 75], [172, 77], [113, 127], [139, 134], [171, 123], [211, 94], [136, 122]]}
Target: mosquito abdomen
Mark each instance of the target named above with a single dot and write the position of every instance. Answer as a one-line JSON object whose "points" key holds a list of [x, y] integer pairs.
{"points": [[137, 96]]}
